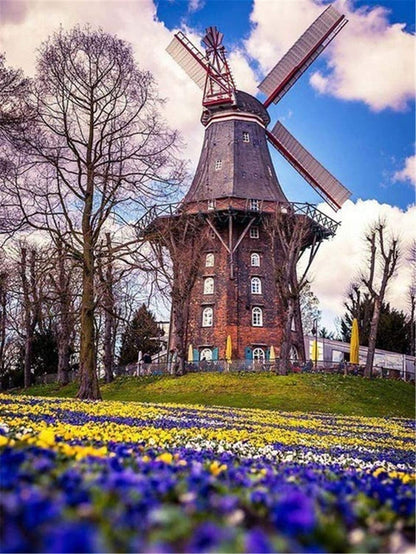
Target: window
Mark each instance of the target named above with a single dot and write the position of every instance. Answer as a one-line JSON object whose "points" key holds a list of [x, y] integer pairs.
{"points": [[246, 137], [254, 232], [209, 285], [211, 204], [206, 354], [207, 317], [255, 259], [209, 260], [255, 285], [258, 354], [218, 165], [254, 205], [257, 317]]}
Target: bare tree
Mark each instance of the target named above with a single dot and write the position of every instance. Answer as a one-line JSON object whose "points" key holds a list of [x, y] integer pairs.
{"points": [[62, 272], [412, 298], [108, 302], [4, 286], [290, 236], [176, 245], [98, 146], [13, 91], [383, 255], [32, 275]]}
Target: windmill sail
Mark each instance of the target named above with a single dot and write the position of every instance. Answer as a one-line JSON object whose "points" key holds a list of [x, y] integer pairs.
{"points": [[192, 61], [305, 50], [331, 190]]}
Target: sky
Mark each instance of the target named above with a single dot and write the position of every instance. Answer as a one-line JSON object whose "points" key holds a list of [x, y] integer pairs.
{"points": [[354, 108]]}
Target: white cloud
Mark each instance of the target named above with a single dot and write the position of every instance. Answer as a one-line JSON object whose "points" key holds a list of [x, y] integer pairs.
{"points": [[370, 60], [340, 259], [244, 76], [195, 5], [408, 173]]}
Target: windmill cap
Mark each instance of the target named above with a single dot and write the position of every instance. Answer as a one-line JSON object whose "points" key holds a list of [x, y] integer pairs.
{"points": [[244, 102]]}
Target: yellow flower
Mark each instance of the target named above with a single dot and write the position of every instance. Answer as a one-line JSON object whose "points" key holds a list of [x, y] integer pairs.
{"points": [[166, 457], [3, 440], [46, 438], [216, 468]]}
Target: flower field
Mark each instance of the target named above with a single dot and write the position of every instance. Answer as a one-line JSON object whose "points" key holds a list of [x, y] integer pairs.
{"points": [[129, 477]]}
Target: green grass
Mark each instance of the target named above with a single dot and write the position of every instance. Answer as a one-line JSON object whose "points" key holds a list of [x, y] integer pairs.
{"points": [[304, 393]]}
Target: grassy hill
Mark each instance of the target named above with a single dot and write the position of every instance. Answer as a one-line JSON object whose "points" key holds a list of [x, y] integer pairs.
{"points": [[304, 393]]}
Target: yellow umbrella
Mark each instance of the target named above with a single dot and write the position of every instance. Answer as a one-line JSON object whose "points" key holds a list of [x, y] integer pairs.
{"points": [[272, 354], [228, 349], [190, 353], [314, 351], [355, 343]]}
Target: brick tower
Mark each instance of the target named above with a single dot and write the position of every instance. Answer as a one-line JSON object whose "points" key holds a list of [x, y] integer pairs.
{"points": [[224, 251]]}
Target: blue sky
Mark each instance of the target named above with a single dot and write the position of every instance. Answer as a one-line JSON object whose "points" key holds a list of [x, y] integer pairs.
{"points": [[362, 147]]}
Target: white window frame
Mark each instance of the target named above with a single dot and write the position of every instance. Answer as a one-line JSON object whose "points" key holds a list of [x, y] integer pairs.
{"points": [[256, 285], [218, 165], [246, 136], [211, 204], [209, 285], [254, 204], [209, 259], [208, 317], [255, 259], [205, 354], [257, 317], [254, 232], [259, 354]]}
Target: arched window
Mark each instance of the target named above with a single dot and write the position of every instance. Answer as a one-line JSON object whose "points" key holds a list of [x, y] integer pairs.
{"points": [[255, 259], [257, 317], [294, 353], [209, 260], [207, 317], [206, 354], [255, 285], [258, 354], [209, 285]]}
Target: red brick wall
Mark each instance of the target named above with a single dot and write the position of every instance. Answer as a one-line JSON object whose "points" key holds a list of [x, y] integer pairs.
{"points": [[232, 300]]}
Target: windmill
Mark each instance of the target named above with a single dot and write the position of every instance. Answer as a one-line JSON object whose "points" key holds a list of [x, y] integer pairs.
{"points": [[234, 195], [212, 74]]}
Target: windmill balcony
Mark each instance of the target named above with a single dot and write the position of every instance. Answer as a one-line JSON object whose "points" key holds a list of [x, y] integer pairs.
{"points": [[242, 208]]}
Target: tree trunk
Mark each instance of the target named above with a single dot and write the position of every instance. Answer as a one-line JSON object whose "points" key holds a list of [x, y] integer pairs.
{"points": [[89, 389], [63, 360], [284, 359], [64, 331], [29, 327], [368, 372], [109, 315], [3, 304]]}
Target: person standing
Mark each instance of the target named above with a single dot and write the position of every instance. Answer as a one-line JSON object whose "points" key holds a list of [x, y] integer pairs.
{"points": [[147, 360]]}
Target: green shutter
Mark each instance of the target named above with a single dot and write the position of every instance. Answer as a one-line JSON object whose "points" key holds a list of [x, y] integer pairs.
{"points": [[215, 353], [248, 353]]}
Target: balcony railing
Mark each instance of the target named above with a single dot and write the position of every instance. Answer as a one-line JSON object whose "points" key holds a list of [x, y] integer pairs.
{"points": [[322, 222]]}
